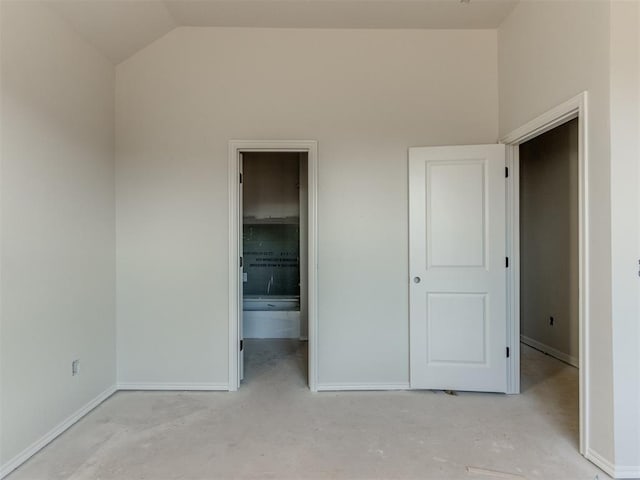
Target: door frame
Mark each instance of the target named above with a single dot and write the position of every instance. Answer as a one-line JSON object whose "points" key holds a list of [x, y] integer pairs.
{"points": [[576, 107], [236, 147]]}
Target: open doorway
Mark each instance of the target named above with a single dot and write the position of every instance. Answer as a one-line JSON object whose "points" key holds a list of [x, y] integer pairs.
{"points": [[274, 274], [549, 280], [281, 310]]}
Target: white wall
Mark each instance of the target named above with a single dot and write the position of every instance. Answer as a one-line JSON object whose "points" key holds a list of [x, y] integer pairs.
{"points": [[57, 254], [549, 52], [625, 231], [549, 242], [366, 96]]}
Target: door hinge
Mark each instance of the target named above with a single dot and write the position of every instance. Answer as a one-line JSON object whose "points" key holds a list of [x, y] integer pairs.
{"points": [[506, 172], [240, 262], [506, 262], [508, 353], [241, 345], [240, 177]]}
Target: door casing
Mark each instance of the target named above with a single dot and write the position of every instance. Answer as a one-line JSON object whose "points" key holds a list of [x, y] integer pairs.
{"points": [[236, 147]]}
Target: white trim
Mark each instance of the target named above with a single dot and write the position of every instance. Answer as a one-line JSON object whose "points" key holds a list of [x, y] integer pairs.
{"points": [[573, 361], [513, 273], [610, 468], [337, 387], [39, 444], [235, 147], [547, 121], [605, 465], [576, 107], [632, 472], [209, 387], [234, 278], [628, 472]]}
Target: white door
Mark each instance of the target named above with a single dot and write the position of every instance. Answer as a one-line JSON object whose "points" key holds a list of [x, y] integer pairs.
{"points": [[241, 282], [457, 267]]}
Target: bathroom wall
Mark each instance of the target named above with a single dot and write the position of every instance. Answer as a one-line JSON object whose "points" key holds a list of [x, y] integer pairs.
{"points": [[270, 185], [272, 195], [271, 224]]}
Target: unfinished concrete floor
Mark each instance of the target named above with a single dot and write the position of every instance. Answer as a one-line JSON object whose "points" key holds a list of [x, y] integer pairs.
{"points": [[275, 428]]}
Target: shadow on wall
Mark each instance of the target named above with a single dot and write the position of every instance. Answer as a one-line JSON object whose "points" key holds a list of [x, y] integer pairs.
{"points": [[549, 242]]}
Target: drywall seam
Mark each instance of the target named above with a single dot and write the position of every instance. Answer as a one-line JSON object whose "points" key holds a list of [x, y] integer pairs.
{"points": [[39, 444], [175, 386], [571, 360]]}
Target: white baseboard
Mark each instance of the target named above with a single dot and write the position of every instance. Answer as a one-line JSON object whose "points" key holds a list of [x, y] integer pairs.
{"points": [[36, 446], [212, 387], [549, 350], [337, 387], [605, 465], [628, 472], [610, 469]]}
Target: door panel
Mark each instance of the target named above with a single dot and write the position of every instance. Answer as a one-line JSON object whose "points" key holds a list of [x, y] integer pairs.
{"points": [[456, 230], [457, 267], [456, 328]]}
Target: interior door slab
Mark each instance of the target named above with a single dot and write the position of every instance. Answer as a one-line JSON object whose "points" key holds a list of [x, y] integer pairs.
{"points": [[457, 231]]}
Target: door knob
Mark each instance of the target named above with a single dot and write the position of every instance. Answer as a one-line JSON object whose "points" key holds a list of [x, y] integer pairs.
{"points": [[416, 279]]}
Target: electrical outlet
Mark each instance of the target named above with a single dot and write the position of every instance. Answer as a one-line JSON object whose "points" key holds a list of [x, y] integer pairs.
{"points": [[551, 320], [75, 368]]}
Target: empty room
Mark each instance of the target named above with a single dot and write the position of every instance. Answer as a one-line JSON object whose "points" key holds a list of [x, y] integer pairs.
{"points": [[319, 239]]}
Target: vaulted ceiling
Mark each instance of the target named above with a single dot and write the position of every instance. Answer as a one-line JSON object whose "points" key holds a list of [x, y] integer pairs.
{"points": [[119, 28]]}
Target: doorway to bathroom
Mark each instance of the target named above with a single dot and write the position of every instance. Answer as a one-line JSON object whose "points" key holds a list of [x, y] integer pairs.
{"points": [[272, 264], [274, 277]]}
